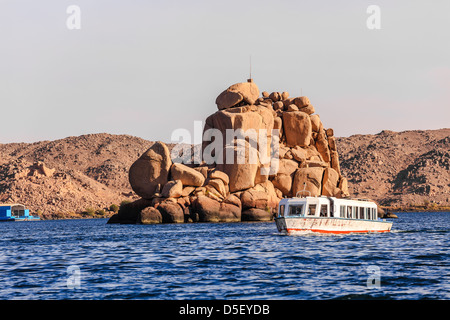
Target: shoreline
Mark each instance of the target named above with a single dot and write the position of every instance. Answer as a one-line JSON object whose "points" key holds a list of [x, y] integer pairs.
{"points": [[416, 209], [387, 209]]}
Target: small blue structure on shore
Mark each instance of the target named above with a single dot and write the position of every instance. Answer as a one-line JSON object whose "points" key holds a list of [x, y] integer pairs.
{"points": [[15, 212]]}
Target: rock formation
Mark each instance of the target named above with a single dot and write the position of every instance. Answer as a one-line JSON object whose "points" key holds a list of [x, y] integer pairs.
{"points": [[151, 170], [256, 150]]}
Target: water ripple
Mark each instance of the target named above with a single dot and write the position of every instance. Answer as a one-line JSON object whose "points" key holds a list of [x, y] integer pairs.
{"points": [[222, 261]]}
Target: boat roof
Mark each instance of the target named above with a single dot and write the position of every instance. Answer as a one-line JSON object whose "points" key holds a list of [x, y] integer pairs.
{"points": [[11, 205], [366, 202]]}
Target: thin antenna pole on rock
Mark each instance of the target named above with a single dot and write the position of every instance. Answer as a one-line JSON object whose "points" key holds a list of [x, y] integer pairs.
{"points": [[250, 79], [250, 66]]}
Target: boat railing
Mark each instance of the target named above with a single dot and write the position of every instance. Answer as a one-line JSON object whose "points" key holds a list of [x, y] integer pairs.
{"points": [[302, 192]]}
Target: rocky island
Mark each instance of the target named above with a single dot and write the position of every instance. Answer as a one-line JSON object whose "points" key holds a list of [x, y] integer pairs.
{"points": [[302, 152]]}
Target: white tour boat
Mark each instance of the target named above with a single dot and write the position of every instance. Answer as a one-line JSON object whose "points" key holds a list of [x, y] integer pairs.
{"points": [[329, 215]]}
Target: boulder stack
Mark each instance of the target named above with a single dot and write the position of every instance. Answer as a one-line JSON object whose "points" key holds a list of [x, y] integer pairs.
{"points": [[278, 148]]}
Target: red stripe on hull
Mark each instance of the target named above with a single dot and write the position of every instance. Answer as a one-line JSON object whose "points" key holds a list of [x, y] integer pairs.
{"points": [[336, 232]]}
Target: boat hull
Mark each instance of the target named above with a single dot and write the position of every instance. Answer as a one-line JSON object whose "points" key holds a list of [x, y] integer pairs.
{"points": [[12, 219], [301, 225]]}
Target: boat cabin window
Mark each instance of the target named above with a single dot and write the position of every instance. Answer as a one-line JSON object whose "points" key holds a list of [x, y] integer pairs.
{"points": [[358, 211], [312, 210], [281, 211], [18, 210], [342, 212], [361, 213], [349, 212], [295, 209], [374, 213], [323, 210]]}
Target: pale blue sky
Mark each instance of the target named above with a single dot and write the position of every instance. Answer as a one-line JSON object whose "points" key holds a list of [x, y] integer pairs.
{"points": [[146, 68]]}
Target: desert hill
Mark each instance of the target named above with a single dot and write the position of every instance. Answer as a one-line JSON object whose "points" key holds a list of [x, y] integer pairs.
{"points": [[399, 169], [66, 177]]}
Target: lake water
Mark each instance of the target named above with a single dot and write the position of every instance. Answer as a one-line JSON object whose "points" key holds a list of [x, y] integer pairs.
{"points": [[89, 259]]}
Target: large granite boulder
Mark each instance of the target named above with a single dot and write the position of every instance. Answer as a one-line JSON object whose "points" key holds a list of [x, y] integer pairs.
{"points": [[297, 128], [208, 209], [330, 183], [217, 174], [129, 213], [254, 199], [335, 162], [255, 214], [343, 186], [283, 182], [245, 91], [171, 212], [316, 123], [242, 170], [322, 146], [309, 179], [188, 176], [172, 189], [246, 121], [150, 171], [301, 102], [230, 209], [150, 215]]}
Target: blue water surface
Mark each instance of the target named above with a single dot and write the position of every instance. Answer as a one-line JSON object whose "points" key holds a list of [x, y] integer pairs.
{"points": [[89, 259]]}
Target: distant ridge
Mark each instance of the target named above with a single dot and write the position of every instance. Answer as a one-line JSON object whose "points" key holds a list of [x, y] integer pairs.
{"points": [[399, 169]]}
